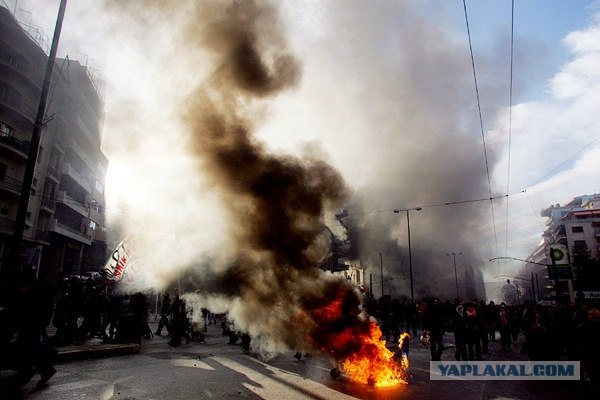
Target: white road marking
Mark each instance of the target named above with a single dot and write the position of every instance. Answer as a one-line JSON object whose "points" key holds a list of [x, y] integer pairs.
{"points": [[285, 386], [191, 364]]}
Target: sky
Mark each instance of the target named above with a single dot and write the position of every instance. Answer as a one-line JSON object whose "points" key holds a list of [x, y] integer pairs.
{"points": [[386, 96]]}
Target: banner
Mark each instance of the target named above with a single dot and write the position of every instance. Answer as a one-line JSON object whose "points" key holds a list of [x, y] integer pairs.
{"points": [[115, 266]]}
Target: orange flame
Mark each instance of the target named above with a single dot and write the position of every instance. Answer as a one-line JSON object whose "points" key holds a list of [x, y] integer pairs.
{"points": [[374, 363], [345, 332]]}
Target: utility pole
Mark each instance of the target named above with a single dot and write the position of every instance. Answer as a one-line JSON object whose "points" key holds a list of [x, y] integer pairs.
{"points": [[397, 211], [15, 251], [455, 272], [533, 289], [381, 267]]}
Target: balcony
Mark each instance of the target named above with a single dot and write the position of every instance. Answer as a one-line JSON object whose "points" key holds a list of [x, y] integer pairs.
{"points": [[54, 173], [10, 185], [82, 154], [48, 204], [83, 128], [67, 169], [42, 236], [73, 204], [17, 147], [75, 234], [7, 225]]}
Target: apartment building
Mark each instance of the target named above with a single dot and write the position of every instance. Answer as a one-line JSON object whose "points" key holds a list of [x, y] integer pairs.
{"points": [[578, 221], [65, 230]]}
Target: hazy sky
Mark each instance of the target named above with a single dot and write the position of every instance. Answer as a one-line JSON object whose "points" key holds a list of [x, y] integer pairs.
{"points": [[386, 96]]}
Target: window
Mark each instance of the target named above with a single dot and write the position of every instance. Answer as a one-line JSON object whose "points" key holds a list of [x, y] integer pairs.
{"points": [[6, 130], [577, 229], [93, 225], [99, 187], [40, 154], [8, 55], [9, 95]]}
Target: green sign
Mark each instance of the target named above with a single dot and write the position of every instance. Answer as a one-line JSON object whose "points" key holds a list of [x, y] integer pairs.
{"points": [[559, 268], [561, 271]]}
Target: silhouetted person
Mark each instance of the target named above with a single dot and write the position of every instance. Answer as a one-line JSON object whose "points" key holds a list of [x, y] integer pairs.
{"points": [[245, 343], [177, 313], [165, 306], [433, 322], [30, 305], [460, 333], [473, 325]]}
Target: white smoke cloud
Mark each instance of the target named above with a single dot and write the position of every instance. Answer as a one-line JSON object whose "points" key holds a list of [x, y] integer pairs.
{"points": [[387, 94]]}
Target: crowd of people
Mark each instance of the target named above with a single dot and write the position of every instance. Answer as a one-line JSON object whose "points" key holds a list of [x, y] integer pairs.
{"points": [[37, 316], [566, 331], [80, 310]]}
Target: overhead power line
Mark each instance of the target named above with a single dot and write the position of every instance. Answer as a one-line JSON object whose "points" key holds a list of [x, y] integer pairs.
{"points": [[448, 203], [487, 167], [510, 98]]}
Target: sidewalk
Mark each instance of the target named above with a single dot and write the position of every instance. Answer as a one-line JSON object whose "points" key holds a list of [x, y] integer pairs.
{"points": [[94, 348]]}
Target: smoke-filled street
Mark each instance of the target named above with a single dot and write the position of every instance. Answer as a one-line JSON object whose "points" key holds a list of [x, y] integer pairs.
{"points": [[216, 369], [313, 178]]}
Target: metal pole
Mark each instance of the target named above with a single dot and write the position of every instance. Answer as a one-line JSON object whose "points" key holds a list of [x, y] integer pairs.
{"points": [[371, 283], [381, 268], [34, 146], [557, 289], [412, 291], [533, 288], [455, 275]]}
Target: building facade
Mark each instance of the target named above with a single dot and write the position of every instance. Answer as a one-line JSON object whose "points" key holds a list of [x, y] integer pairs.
{"points": [[65, 232], [574, 223], [578, 221]]}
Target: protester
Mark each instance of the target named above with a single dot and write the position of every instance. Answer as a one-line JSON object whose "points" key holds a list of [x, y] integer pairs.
{"points": [[460, 333], [433, 323], [28, 306], [165, 306], [473, 329], [504, 328]]}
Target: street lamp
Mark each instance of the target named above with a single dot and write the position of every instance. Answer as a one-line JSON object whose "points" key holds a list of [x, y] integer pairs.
{"points": [[381, 267], [412, 292], [455, 273]]}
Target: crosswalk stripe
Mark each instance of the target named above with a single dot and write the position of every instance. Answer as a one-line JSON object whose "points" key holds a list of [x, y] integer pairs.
{"points": [[283, 385]]}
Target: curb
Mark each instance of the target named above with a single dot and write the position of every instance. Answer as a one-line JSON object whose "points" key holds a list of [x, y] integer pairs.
{"points": [[66, 354]]}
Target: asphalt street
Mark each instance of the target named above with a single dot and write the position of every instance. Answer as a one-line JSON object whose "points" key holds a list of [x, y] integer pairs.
{"points": [[217, 370]]}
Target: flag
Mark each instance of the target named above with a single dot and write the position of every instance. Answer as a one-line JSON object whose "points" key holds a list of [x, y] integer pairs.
{"points": [[115, 266]]}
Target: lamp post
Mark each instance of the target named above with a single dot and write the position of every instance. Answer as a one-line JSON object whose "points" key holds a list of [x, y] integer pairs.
{"points": [[381, 268], [455, 273], [412, 292]]}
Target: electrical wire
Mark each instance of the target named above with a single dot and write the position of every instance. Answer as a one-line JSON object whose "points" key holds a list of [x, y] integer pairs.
{"points": [[487, 168], [448, 203], [564, 162], [510, 100]]}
